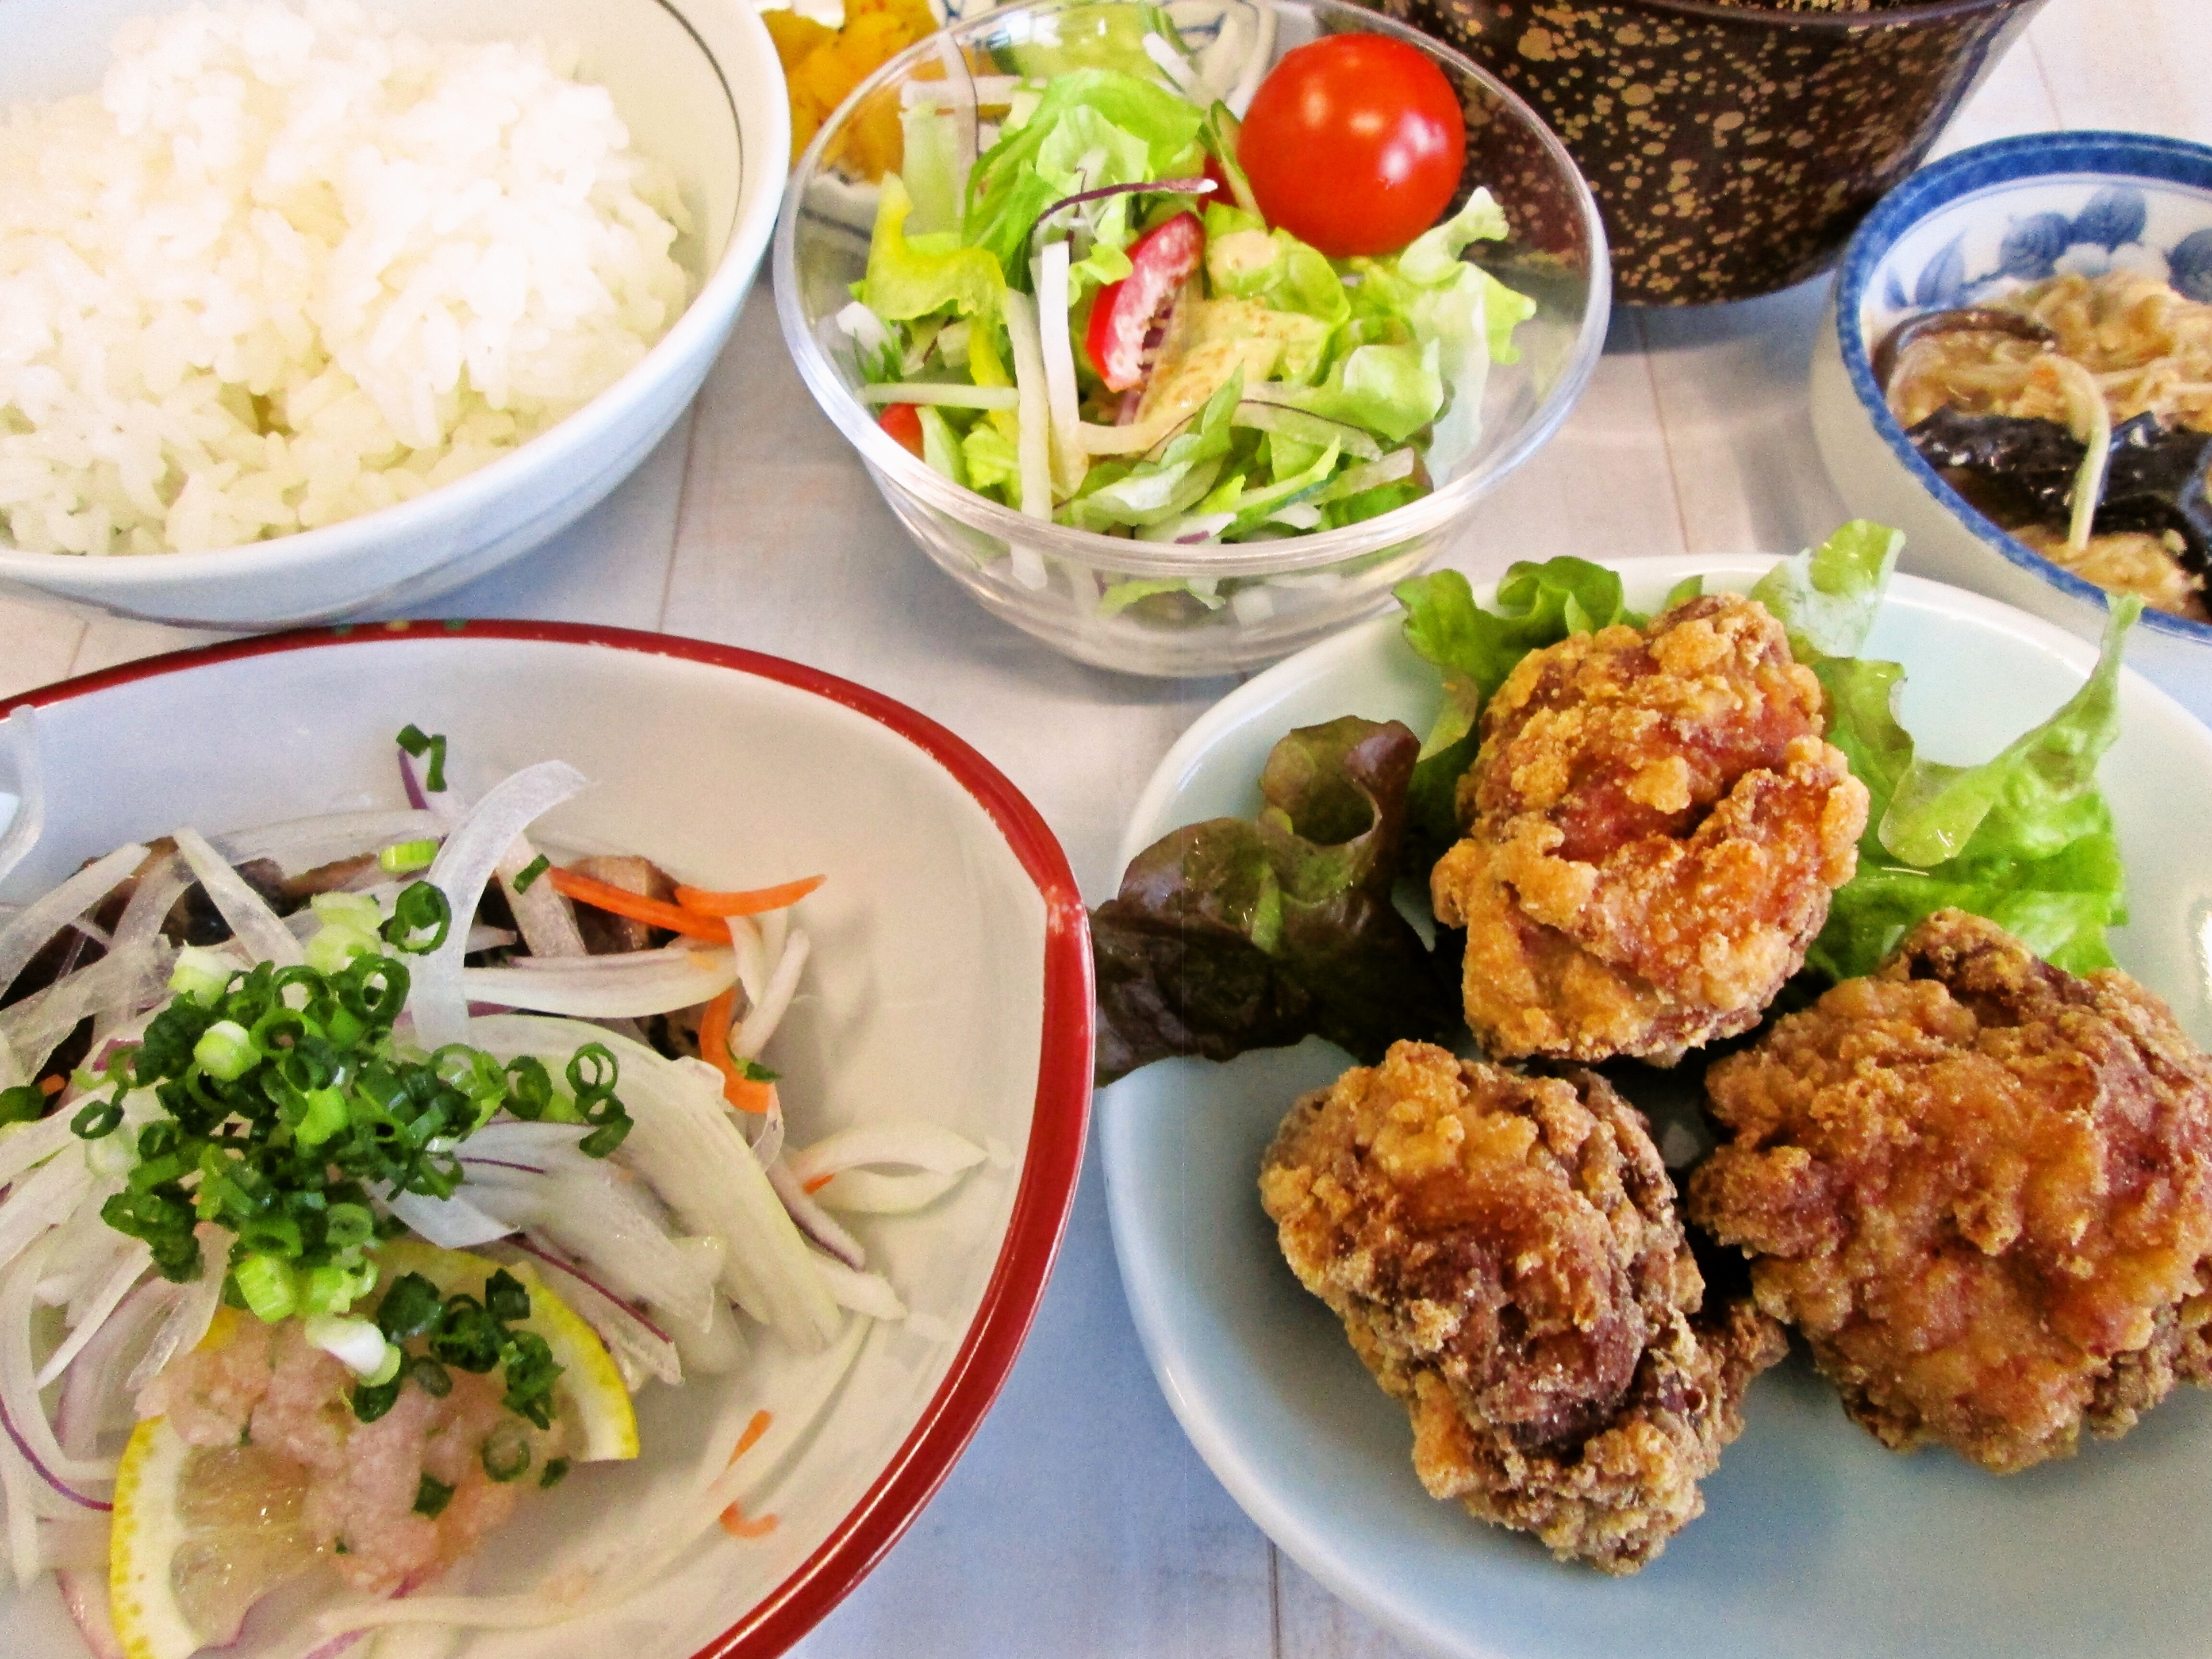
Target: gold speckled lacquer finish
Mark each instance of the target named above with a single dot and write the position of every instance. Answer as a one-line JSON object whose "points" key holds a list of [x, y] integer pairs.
{"points": [[1731, 147]]}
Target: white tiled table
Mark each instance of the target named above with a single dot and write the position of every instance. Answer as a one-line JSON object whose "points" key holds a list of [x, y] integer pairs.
{"points": [[1080, 1523]]}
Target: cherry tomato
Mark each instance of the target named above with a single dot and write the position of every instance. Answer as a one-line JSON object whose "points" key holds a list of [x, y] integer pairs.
{"points": [[903, 423], [1160, 262], [1354, 142]]}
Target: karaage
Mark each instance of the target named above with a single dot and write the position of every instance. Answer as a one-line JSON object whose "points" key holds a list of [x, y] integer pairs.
{"points": [[1654, 827], [1504, 1253], [1982, 1187]]}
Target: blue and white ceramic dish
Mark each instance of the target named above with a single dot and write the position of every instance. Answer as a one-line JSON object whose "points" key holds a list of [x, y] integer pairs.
{"points": [[1970, 228]]}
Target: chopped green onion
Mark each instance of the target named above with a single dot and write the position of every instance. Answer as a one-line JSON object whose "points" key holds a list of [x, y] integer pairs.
{"points": [[268, 1286], [97, 1119], [201, 974], [405, 858], [505, 1299], [25, 1104], [431, 1378], [372, 1399], [752, 1071], [226, 1051], [417, 744], [409, 1308], [326, 1116], [388, 1371], [419, 907], [556, 1471], [506, 1452], [431, 1496], [530, 872]]}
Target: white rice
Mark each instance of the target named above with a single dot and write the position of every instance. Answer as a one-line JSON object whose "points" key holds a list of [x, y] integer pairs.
{"points": [[290, 266]]}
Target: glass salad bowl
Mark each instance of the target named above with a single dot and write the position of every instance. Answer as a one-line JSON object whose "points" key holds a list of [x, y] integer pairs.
{"points": [[1163, 599]]}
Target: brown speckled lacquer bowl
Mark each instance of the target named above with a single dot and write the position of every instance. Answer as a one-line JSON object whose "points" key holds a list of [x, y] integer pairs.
{"points": [[1732, 148]]}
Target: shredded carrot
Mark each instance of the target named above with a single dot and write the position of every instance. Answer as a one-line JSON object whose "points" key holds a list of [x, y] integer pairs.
{"points": [[603, 896], [51, 1085], [734, 1523], [733, 1518], [819, 1182], [757, 902], [754, 1430], [746, 1094]]}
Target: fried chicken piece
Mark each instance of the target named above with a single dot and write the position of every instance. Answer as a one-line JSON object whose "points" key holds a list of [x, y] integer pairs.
{"points": [[1504, 1254], [1982, 1187], [1654, 828]]}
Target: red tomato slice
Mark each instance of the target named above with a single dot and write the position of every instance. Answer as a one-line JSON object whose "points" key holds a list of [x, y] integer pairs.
{"points": [[1160, 261], [903, 423], [1355, 143]]}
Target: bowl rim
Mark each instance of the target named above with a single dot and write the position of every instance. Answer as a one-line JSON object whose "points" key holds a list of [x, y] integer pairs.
{"points": [[1045, 1196], [1827, 23], [1436, 511], [2146, 158], [711, 311]]}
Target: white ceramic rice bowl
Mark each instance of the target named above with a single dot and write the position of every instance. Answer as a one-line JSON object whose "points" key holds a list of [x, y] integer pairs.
{"points": [[950, 981], [698, 85]]}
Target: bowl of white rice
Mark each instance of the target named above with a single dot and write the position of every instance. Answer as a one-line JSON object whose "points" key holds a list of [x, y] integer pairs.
{"points": [[311, 310]]}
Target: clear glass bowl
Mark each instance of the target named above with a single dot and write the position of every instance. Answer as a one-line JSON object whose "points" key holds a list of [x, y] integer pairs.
{"points": [[1248, 604]]}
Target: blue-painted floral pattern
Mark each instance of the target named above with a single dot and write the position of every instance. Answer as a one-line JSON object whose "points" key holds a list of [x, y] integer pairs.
{"points": [[2036, 244]]}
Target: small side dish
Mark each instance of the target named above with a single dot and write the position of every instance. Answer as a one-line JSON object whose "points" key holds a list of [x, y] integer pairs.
{"points": [[1097, 295], [2076, 414]]}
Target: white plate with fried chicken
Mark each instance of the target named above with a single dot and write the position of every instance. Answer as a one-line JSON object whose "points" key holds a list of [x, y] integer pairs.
{"points": [[1811, 1536]]}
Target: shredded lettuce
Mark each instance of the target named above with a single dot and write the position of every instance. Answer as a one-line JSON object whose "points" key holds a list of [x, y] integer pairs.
{"points": [[915, 276]]}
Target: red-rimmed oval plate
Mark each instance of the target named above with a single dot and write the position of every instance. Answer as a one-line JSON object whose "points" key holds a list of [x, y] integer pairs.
{"points": [[950, 981]]}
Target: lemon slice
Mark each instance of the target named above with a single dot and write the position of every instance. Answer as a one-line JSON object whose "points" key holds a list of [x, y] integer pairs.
{"points": [[589, 1393], [200, 1533]]}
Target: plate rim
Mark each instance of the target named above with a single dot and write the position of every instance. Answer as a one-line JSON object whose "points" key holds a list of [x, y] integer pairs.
{"points": [[1285, 1526], [1044, 1200]]}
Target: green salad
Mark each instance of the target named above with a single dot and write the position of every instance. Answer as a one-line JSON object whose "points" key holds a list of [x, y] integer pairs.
{"points": [[1084, 298]]}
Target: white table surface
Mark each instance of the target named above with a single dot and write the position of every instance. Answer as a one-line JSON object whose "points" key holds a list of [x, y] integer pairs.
{"points": [[1081, 1523]]}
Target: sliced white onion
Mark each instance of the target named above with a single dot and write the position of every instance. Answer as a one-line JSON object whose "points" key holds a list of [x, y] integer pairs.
{"points": [[759, 1023], [356, 1343], [863, 1292], [253, 923], [140, 924], [451, 1223], [813, 1220], [19, 1390], [40, 920], [915, 1143], [464, 864], [686, 1143], [122, 982], [18, 737], [590, 1221], [962, 92], [136, 1262], [300, 844], [1033, 448], [864, 1192], [189, 1320], [1049, 277], [639, 1349], [636, 983], [46, 1200], [863, 327]]}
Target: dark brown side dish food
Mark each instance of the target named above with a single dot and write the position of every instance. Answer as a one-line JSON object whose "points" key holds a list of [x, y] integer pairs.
{"points": [[1982, 1187], [1506, 1258], [1654, 827]]}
